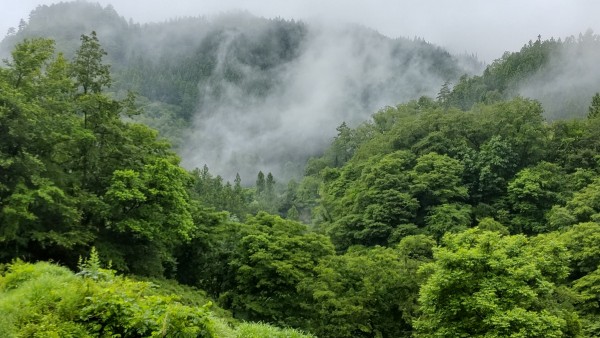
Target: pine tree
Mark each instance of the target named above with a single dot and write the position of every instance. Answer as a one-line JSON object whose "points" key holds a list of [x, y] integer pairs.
{"points": [[88, 70], [594, 110], [237, 187], [443, 96], [260, 183], [270, 184]]}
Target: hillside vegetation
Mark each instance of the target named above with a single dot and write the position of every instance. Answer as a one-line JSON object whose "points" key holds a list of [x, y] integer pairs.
{"points": [[466, 215]]}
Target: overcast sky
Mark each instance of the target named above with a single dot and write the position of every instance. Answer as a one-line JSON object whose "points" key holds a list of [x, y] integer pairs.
{"points": [[486, 28]]}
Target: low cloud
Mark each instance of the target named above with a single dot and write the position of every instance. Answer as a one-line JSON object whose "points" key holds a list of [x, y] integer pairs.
{"points": [[343, 73], [565, 86]]}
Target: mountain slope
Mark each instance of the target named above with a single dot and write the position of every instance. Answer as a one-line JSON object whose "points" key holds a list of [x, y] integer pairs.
{"points": [[252, 93]]}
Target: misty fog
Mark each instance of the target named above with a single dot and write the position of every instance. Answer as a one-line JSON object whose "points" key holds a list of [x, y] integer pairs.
{"points": [[567, 83], [486, 28], [342, 73]]}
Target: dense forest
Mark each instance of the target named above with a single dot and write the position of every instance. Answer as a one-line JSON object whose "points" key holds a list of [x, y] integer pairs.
{"points": [[473, 212]]}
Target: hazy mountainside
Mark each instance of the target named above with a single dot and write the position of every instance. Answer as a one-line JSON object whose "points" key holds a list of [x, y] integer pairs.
{"points": [[250, 92], [561, 74]]}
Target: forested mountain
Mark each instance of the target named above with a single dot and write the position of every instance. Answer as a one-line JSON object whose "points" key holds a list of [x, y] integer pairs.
{"points": [[226, 89], [471, 214]]}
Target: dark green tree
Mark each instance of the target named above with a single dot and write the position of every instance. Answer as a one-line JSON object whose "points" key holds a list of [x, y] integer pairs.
{"points": [[369, 292], [270, 188], [594, 109], [39, 215], [260, 183], [443, 96]]}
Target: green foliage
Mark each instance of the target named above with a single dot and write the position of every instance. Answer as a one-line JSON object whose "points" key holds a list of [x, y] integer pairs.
{"points": [[204, 262], [213, 192], [532, 193], [74, 174], [28, 58], [44, 300], [443, 96], [436, 179], [90, 267], [259, 330], [87, 68], [534, 71], [594, 109], [368, 292], [122, 308], [269, 265], [152, 204], [484, 284], [448, 218], [238, 200], [489, 224], [372, 202], [38, 209], [428, 170], [588, 288], [502, 78], [584, 206], [583, 242], [40, 300], [575, 144]]}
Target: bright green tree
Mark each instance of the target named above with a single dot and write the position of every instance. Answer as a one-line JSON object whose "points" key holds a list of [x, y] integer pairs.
{"points": [[436, 179], [583, 243], [584, 206], [484, 284], [148, 214]]}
